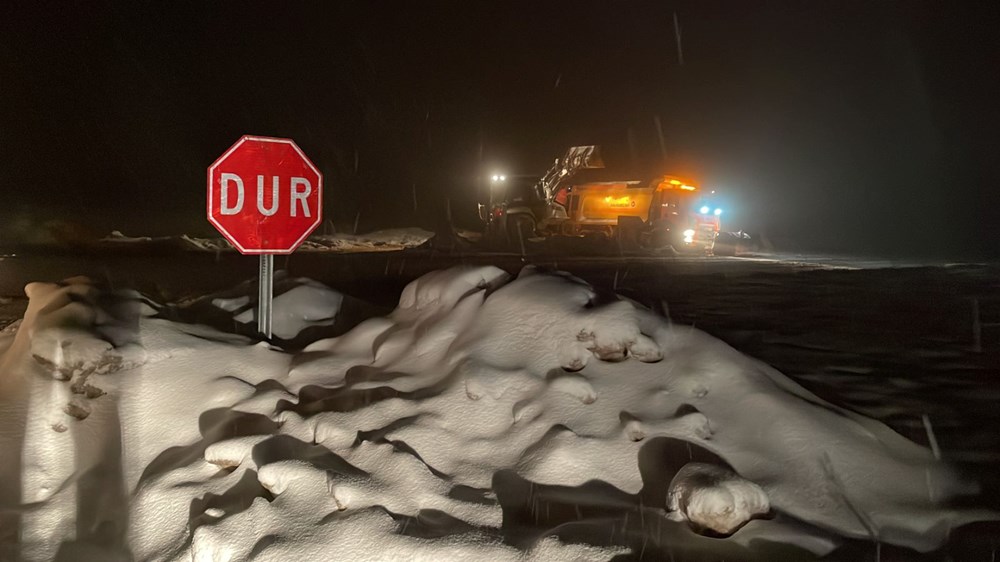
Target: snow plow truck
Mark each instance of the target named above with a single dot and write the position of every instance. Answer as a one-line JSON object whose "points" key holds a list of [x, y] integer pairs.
{"points": [[577, 196]]}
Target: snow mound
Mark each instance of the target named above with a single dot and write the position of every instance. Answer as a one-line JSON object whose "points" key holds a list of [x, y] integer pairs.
{"points": [[377, 241], [204, 244], [303, 311], [117, 237], [309, 304], [71, 337], [410, 435]]}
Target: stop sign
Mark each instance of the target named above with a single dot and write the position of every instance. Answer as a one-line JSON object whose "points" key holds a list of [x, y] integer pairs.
{"points": [[264, 195]]}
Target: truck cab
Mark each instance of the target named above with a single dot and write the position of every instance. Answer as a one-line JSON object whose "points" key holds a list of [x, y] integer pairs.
{"points": [[675, 217]]}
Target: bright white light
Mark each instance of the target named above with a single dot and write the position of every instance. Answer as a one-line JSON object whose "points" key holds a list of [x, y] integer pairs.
{"points": [[496, 177], [704, 210], [718, 212], [503, 178]]}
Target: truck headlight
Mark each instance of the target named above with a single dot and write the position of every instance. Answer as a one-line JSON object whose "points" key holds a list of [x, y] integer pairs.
{"points": [[704, 210], [718, 212]]}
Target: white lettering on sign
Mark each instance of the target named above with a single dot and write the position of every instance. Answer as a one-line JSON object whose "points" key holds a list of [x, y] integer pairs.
{"points": [[274, 196], [300, 196], [301, 188], [225, 209]]}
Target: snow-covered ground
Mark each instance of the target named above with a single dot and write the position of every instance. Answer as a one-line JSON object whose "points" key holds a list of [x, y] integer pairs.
{"points": [[481, 403], [377, 241]]}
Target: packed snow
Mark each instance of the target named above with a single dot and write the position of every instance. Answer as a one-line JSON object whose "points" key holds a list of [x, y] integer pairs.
{"points": [[422, 434]]}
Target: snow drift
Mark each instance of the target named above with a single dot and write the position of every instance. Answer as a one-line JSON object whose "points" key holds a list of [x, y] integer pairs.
{"points": [[407, 436]]}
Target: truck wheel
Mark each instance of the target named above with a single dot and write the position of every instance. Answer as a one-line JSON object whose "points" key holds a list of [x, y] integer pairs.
{"points": [[629, 232]]}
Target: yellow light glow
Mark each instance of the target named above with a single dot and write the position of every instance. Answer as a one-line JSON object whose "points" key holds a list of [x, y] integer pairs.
{"points": [[624, 201], [675, 182], [689, 187]]}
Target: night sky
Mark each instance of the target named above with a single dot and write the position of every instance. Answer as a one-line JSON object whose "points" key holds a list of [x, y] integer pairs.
{"points": [[862, 127]]}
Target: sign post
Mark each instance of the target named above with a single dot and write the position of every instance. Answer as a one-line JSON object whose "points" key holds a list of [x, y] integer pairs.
{"points": [[265, 197], [265, 294]]}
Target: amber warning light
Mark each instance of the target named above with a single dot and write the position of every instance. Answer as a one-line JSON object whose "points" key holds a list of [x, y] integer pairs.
{"points": [[681, 185]]}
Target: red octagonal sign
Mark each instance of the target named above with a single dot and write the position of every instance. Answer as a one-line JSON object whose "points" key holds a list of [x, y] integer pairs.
{"points": [[264, 195]]}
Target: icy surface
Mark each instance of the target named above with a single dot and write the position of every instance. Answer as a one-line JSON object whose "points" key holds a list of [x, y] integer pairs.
{"points": [[207, 445]]}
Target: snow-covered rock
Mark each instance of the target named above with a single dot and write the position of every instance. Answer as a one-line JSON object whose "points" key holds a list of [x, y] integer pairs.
{"points": [[714, 497]]}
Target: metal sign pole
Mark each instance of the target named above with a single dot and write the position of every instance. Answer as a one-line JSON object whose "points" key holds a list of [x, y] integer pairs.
{"points": [[265, 294]]}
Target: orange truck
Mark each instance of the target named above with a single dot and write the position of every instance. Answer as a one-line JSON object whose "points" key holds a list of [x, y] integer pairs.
{"points": [[575, 198]]}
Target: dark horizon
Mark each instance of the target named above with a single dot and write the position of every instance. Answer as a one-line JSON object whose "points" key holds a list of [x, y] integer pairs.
{"points": [[864, 127]]}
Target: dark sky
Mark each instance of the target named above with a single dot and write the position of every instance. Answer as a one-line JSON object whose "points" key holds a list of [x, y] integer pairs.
{"points": [[851, 126]]}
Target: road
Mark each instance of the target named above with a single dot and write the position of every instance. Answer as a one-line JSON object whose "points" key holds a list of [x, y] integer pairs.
{"points": [[178, 272]]}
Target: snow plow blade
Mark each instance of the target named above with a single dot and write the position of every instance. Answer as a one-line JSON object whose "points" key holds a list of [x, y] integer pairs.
{"points": [[582, 157]]}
